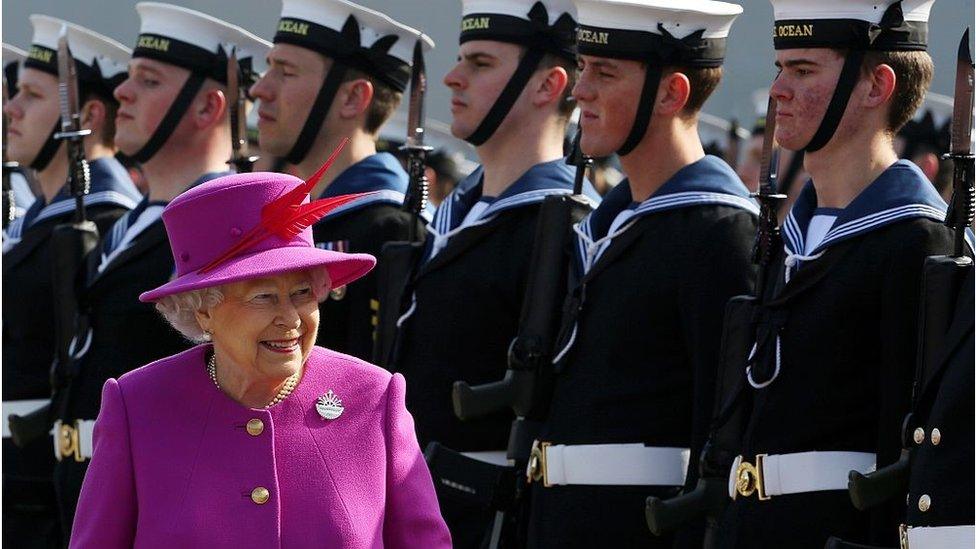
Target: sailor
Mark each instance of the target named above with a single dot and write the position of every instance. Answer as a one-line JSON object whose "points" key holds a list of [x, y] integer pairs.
{"points": [[30, 511], [510, 99], [828, 382], [338, 70], [21, 195], [655, 264], [173, 119], [941, 484]]}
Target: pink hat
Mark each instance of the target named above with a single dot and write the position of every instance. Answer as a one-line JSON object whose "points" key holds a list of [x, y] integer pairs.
{"points": [[250, 225]]}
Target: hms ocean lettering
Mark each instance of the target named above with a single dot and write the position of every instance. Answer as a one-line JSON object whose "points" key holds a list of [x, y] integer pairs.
{"points": [[475, 23], [792, 31], [153, 43], [593, 37], [293, 27]]}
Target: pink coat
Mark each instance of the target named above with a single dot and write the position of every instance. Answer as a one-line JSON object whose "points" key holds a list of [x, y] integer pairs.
{"points": [[175, 465]]}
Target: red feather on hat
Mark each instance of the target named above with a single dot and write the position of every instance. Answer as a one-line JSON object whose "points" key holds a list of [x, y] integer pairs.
{"points": [[286, 216]]}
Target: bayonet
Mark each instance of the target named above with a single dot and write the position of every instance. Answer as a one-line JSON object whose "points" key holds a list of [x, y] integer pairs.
{"points": [[9, 198], [960, 215], [79, 179], [237, 111], [767, 238], [416, 199]]}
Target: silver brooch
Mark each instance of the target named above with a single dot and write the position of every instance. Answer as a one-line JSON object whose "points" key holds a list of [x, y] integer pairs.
{"points": [[329, 406]]}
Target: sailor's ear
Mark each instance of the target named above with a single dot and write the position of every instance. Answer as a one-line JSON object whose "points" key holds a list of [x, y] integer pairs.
{"points": [[209, 107], [93, 115]]}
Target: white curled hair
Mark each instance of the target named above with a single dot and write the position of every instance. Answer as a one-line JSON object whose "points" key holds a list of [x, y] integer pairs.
{"points": [[180, 309]]}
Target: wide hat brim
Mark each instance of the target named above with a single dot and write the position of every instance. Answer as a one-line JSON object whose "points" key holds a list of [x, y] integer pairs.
{"points": [[343, 268]]}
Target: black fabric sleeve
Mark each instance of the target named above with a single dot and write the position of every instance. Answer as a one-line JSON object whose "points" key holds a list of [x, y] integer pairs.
{"points": [[718, 270]]}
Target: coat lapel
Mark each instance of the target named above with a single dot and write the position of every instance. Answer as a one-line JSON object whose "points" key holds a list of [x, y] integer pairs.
{"points": [[811, 273], [149, 238], [617, 247], [459, 244], [34, 237]]}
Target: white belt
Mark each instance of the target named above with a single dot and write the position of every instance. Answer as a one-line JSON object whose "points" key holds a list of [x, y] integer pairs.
{"points": [[496, 457], [608, 464], [940, 537], [73, 440], [777, 475], [20, 408]]}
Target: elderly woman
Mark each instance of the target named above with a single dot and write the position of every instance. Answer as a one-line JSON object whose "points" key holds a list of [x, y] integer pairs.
{"points": [[255, 437]]}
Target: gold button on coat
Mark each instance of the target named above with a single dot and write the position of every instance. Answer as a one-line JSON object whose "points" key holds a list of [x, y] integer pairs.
{"points": [[936, 436], [924, 503], [261, 494], [255, 427], [919, 435]]}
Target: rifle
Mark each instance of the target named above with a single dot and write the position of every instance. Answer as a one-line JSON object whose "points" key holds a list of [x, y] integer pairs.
{"points": [[710, 496], [942, 278], [527, 383], [237, 113], [70, 243], [394, 271]]}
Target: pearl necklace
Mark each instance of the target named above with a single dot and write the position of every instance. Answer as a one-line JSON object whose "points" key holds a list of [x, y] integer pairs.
{"points": [[286, 389]]}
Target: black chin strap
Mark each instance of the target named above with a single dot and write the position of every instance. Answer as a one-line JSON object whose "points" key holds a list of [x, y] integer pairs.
{"points": [[47, 151], [645, 107], [849, 76], [172, 118], [316, 117], [513, 88]]}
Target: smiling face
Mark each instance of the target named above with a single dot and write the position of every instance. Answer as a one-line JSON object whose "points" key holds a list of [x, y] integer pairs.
{"points": [[803, 90], [32, 113], [144, 98], [286, 94], [607, 92], [482, 70], [265, 327]]}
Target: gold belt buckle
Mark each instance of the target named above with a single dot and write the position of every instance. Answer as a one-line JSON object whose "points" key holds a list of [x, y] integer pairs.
{"points": [[749, 479], [69, 442], [536, 470], [903, 535]]}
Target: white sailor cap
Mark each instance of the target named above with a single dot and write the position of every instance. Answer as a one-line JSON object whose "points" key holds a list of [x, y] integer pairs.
{"points": [[13, 57], [197, 41], [12, 54], [678, 32], [885, 25], [101, 62], [358, 37], [546, 24]]}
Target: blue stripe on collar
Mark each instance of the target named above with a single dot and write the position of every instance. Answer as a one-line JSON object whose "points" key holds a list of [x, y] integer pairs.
{"points": [[901, 192], [377, 172], [110, 184], [380, 174], [708, 181], [538, 182]]}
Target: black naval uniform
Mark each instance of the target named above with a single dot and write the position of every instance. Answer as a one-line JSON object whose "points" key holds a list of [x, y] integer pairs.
{"points": [[29, 510], [941, 483], [348, 316], [846, 314], [462, 311], [637, 355], [124, 332]]}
